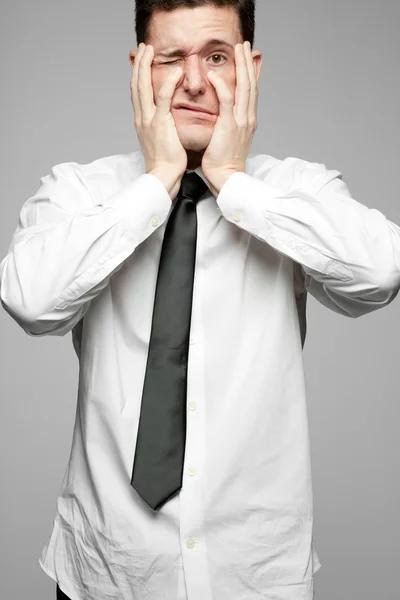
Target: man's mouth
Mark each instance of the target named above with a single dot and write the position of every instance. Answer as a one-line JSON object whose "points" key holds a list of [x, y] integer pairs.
{"points": [[201, 114]]}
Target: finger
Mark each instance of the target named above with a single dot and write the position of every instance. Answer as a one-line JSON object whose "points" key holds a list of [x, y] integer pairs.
{"points": [[167, 91], [252, 109], [242, 95], [226, 99], [134, 79], [145, 86]]}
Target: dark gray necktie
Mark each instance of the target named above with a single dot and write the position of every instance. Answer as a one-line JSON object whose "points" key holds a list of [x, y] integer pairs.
{"points": [[160, 445]]}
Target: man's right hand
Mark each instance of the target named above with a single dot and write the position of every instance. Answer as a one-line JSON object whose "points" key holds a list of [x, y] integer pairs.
{"points": [[163, 152]]}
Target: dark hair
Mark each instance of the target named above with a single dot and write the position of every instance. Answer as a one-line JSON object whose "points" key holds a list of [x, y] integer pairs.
{"points": [[245, 10]]}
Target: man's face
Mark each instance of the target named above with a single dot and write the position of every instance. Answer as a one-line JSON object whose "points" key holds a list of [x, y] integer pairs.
{"points": [[189, 29]]}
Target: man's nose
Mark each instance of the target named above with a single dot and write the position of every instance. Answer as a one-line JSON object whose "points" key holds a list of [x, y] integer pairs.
{"points": [[195, 75]]}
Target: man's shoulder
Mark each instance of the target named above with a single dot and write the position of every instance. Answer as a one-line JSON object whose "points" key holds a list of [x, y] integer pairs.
{"points": [[98, 179], [111, 165], [290, 172]]}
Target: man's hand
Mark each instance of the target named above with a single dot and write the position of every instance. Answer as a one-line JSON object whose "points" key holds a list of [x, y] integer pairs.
{"points": [[236, 123], [163, 152]]}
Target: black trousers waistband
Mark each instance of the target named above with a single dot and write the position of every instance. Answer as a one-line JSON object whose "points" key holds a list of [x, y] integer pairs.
{"points": [[61, 595]]}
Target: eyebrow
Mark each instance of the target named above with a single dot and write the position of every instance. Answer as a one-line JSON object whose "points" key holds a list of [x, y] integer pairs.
{"points": [[181, 52]]}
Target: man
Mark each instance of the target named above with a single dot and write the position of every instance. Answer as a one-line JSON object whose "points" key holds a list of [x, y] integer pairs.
{"points": [[189, 476]]}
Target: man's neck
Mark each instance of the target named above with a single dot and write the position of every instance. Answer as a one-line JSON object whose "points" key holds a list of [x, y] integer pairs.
{"points": [[194, 159]]}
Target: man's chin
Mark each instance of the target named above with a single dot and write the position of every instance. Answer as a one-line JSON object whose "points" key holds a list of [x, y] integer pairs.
{"points": [[197, 142]]}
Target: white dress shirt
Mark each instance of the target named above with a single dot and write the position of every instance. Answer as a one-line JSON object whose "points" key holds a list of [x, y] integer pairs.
{"points": [[87, 245]]}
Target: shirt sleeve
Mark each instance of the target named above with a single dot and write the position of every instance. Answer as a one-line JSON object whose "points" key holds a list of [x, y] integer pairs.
{"points": [[349, 253], [66, 246]]}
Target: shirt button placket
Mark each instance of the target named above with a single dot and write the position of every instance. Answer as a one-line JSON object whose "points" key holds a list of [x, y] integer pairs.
{"points": [[194, 555]]}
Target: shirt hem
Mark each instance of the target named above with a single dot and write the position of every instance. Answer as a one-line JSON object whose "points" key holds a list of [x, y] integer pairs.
{"points": [[53, 576]]}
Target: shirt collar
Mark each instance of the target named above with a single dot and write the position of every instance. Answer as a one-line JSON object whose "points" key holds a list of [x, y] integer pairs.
{"points": [[200, 173]]}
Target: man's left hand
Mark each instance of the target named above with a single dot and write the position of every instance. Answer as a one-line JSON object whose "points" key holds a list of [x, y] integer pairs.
{"points": [[236, 124]]}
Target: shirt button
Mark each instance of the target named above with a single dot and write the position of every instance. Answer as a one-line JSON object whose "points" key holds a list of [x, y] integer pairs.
{"points": [[190, 544], [154, 221], [237, 216], [192, 339], [192, 405], [192, 471]]}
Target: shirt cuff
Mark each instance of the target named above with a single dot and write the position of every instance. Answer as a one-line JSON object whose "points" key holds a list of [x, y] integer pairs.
{"points": [[243, 200], [143, 205]]}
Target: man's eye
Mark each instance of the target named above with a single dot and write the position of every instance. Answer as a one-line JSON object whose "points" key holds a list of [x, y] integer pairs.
{"points": [[220, 55]]}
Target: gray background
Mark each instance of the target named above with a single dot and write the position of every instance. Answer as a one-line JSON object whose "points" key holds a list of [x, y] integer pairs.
{"points": [[329, 92]]}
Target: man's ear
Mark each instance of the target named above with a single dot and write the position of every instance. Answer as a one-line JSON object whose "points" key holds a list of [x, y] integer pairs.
{"points": [[132, 56], [257, 57]]}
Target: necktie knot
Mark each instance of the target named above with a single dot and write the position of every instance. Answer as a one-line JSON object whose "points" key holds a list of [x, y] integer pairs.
{"points": [[192, 186]]}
